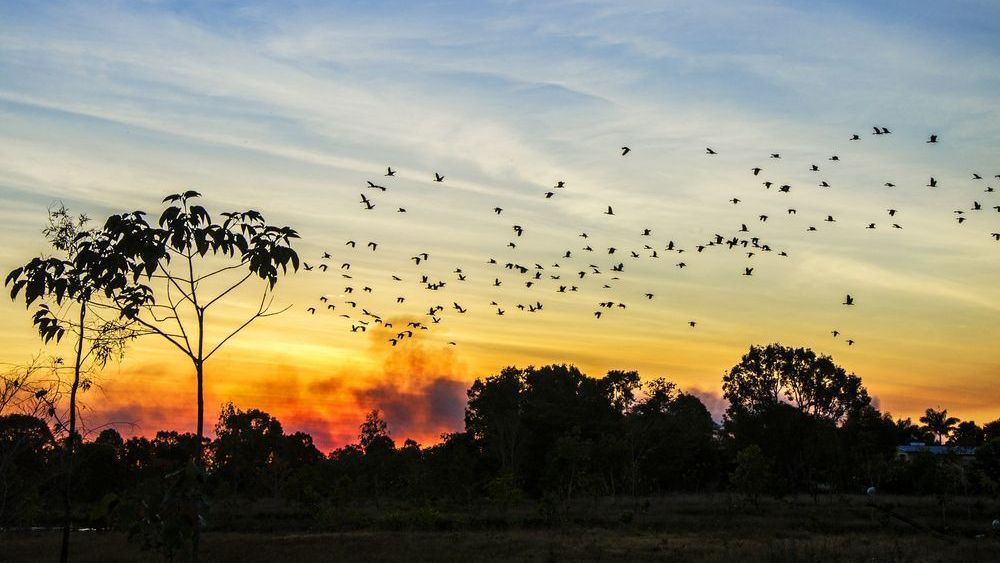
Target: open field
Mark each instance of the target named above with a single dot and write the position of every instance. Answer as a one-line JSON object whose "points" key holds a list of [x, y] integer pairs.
{"points": [[682, 528]]}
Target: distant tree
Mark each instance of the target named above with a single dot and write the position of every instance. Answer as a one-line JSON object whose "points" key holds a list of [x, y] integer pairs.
{"points": [[770, 374], [177, 271], [752, 475], [868, 440], [100, 472], [991, 430], [621, 388], [456, 467], [907, 432], [375, 431], [56, 283], [379, 449], [967, 434], [494, 413], [988, 459], [246, 450], [26, 451], [671, 439], [939, 423]]}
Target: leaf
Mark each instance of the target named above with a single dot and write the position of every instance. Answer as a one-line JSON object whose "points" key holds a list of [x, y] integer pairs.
{"points": [[169, 215], [14, 274]]}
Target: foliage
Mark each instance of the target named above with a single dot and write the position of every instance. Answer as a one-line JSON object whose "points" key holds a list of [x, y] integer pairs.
{"points": [[768, 375], [939, 423], [753, 475]]}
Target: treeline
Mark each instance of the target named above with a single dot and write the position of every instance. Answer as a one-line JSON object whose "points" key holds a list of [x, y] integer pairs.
{"points": [[797, 423]]}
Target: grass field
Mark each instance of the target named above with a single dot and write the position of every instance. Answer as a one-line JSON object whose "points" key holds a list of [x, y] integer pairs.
{"points": [[681, 528]]}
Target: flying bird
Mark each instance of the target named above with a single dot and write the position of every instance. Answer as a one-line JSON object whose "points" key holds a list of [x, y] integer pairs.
{"points": [[626, 150]]}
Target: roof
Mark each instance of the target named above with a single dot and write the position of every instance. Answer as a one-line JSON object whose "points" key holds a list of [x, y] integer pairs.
{"points": [[919, 448]]}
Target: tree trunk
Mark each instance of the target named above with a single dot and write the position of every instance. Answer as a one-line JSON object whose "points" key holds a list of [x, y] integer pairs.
{"points": [[198, 457], [70, 442]]}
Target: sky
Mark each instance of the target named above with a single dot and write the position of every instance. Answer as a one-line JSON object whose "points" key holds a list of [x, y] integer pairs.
{"points": [[290, 108]]}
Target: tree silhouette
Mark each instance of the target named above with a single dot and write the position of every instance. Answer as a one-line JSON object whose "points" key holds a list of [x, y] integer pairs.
{"points": [[378, 447], [967, 434], [939, 423], [767, 375], [59, 284], [167, 277]]}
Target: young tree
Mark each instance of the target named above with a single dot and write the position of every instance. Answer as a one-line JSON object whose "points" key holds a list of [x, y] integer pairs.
{"points": [[167, 278], [65, 287]]}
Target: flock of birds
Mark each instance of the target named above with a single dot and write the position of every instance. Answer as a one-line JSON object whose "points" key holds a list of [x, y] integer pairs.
{"points": [[567, 273]]}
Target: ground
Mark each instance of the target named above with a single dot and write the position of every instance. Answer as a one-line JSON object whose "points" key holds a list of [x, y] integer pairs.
{"points": [[683, 528]]}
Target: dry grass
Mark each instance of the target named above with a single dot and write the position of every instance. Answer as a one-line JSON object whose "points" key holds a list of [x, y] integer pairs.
{"points": [[681, 528]]}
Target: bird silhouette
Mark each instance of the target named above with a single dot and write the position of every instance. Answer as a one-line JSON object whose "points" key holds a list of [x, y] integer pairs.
{"points": [[848, 300], [609, 211], [933, 139], [932, 183], [709, 151], [626, 150], [389, 171]]}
